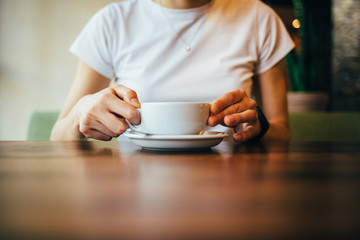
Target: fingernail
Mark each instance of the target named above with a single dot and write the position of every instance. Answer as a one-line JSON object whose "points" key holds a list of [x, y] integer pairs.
{"points": [[135, 102], [214, 108], [228, 120], [212, 121]]}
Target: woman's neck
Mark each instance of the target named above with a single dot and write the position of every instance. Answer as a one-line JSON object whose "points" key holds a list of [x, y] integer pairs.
{"points": [[182, 4]]}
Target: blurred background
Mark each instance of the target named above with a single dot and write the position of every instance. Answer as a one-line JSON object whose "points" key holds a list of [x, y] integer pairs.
{"points": [[36, 68]]}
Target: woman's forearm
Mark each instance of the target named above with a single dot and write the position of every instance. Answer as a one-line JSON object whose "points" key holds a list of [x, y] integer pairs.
{"points": [[277, 131], [66, 129]]}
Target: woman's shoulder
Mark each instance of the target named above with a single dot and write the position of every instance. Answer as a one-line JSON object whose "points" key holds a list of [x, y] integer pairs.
{"points": [[119, 9], [245, 5], [248, 10]]}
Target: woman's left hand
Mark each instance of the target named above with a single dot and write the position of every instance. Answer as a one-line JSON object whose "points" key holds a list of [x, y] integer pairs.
{"points": [[236, 109]]}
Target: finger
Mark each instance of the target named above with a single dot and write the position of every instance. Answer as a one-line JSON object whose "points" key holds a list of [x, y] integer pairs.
{"points": [[99, 135], [226, 100], [100, 127], [235, 108], [116, 125], [88, 125], [249, 132], [92, 133], [107, 124], [127, 94], [121, 108], [243, 117]]}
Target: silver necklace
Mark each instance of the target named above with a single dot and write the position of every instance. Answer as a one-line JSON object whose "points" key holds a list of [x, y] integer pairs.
{"points": [[187, 45]]}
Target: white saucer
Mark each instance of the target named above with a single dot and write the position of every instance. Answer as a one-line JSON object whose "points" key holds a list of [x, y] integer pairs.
{"points": [[176, 142]]}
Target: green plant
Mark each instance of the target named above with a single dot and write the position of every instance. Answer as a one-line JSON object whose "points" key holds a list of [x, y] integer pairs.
{"points": [[310, 69]]}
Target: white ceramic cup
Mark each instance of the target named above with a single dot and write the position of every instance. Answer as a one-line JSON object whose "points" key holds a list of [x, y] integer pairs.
{"points": [[173, 118]]}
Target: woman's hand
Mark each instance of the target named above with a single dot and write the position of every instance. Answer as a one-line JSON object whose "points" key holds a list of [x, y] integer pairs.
{"points": [[236, 109], [102, 115]]}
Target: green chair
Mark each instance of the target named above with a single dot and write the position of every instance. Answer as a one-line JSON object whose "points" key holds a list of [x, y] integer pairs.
{"points": [[325, 126], [304, 126], [40, 125]]}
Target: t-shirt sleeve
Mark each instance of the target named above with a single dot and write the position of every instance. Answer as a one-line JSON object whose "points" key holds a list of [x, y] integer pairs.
{"points": [[274, 41], [93, 44]]}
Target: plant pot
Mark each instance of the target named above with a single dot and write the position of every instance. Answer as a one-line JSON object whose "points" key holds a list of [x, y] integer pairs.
{"points": [[307, 101]]}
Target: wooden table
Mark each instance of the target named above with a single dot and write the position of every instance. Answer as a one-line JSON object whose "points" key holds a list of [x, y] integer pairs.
{"points": [[111, 190]]}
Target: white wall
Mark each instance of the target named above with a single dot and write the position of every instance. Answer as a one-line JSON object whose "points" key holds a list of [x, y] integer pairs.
{"points": [[36, 68]]}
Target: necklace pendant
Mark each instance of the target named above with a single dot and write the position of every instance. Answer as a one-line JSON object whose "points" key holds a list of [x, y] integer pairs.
{"points": [[188, 48]]}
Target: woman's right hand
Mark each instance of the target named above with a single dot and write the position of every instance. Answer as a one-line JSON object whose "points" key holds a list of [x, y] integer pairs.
{"points": [[102, 115]]}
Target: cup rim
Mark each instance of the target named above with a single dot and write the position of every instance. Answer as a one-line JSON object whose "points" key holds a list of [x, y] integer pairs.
{"points": [[174, 103]]}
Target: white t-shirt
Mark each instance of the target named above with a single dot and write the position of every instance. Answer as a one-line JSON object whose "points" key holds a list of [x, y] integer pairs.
{"points": [[142, 45]]}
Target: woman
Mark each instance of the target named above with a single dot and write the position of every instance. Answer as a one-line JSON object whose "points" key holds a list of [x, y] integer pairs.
{"points": [[179, 50]]}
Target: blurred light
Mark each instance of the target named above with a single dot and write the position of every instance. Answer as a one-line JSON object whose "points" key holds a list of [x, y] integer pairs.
{"points": [[296, 23]]}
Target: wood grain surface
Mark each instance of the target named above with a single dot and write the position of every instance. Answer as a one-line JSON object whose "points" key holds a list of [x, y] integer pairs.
{"points": [[115, 190]]}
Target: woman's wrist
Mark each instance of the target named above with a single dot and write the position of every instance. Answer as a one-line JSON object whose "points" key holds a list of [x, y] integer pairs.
{"points": [[74, 118], [67, 128], [264, 124]]}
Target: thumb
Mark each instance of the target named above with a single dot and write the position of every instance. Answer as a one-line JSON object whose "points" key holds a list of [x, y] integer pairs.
{"points": [[135, 102], [247, 133]]}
